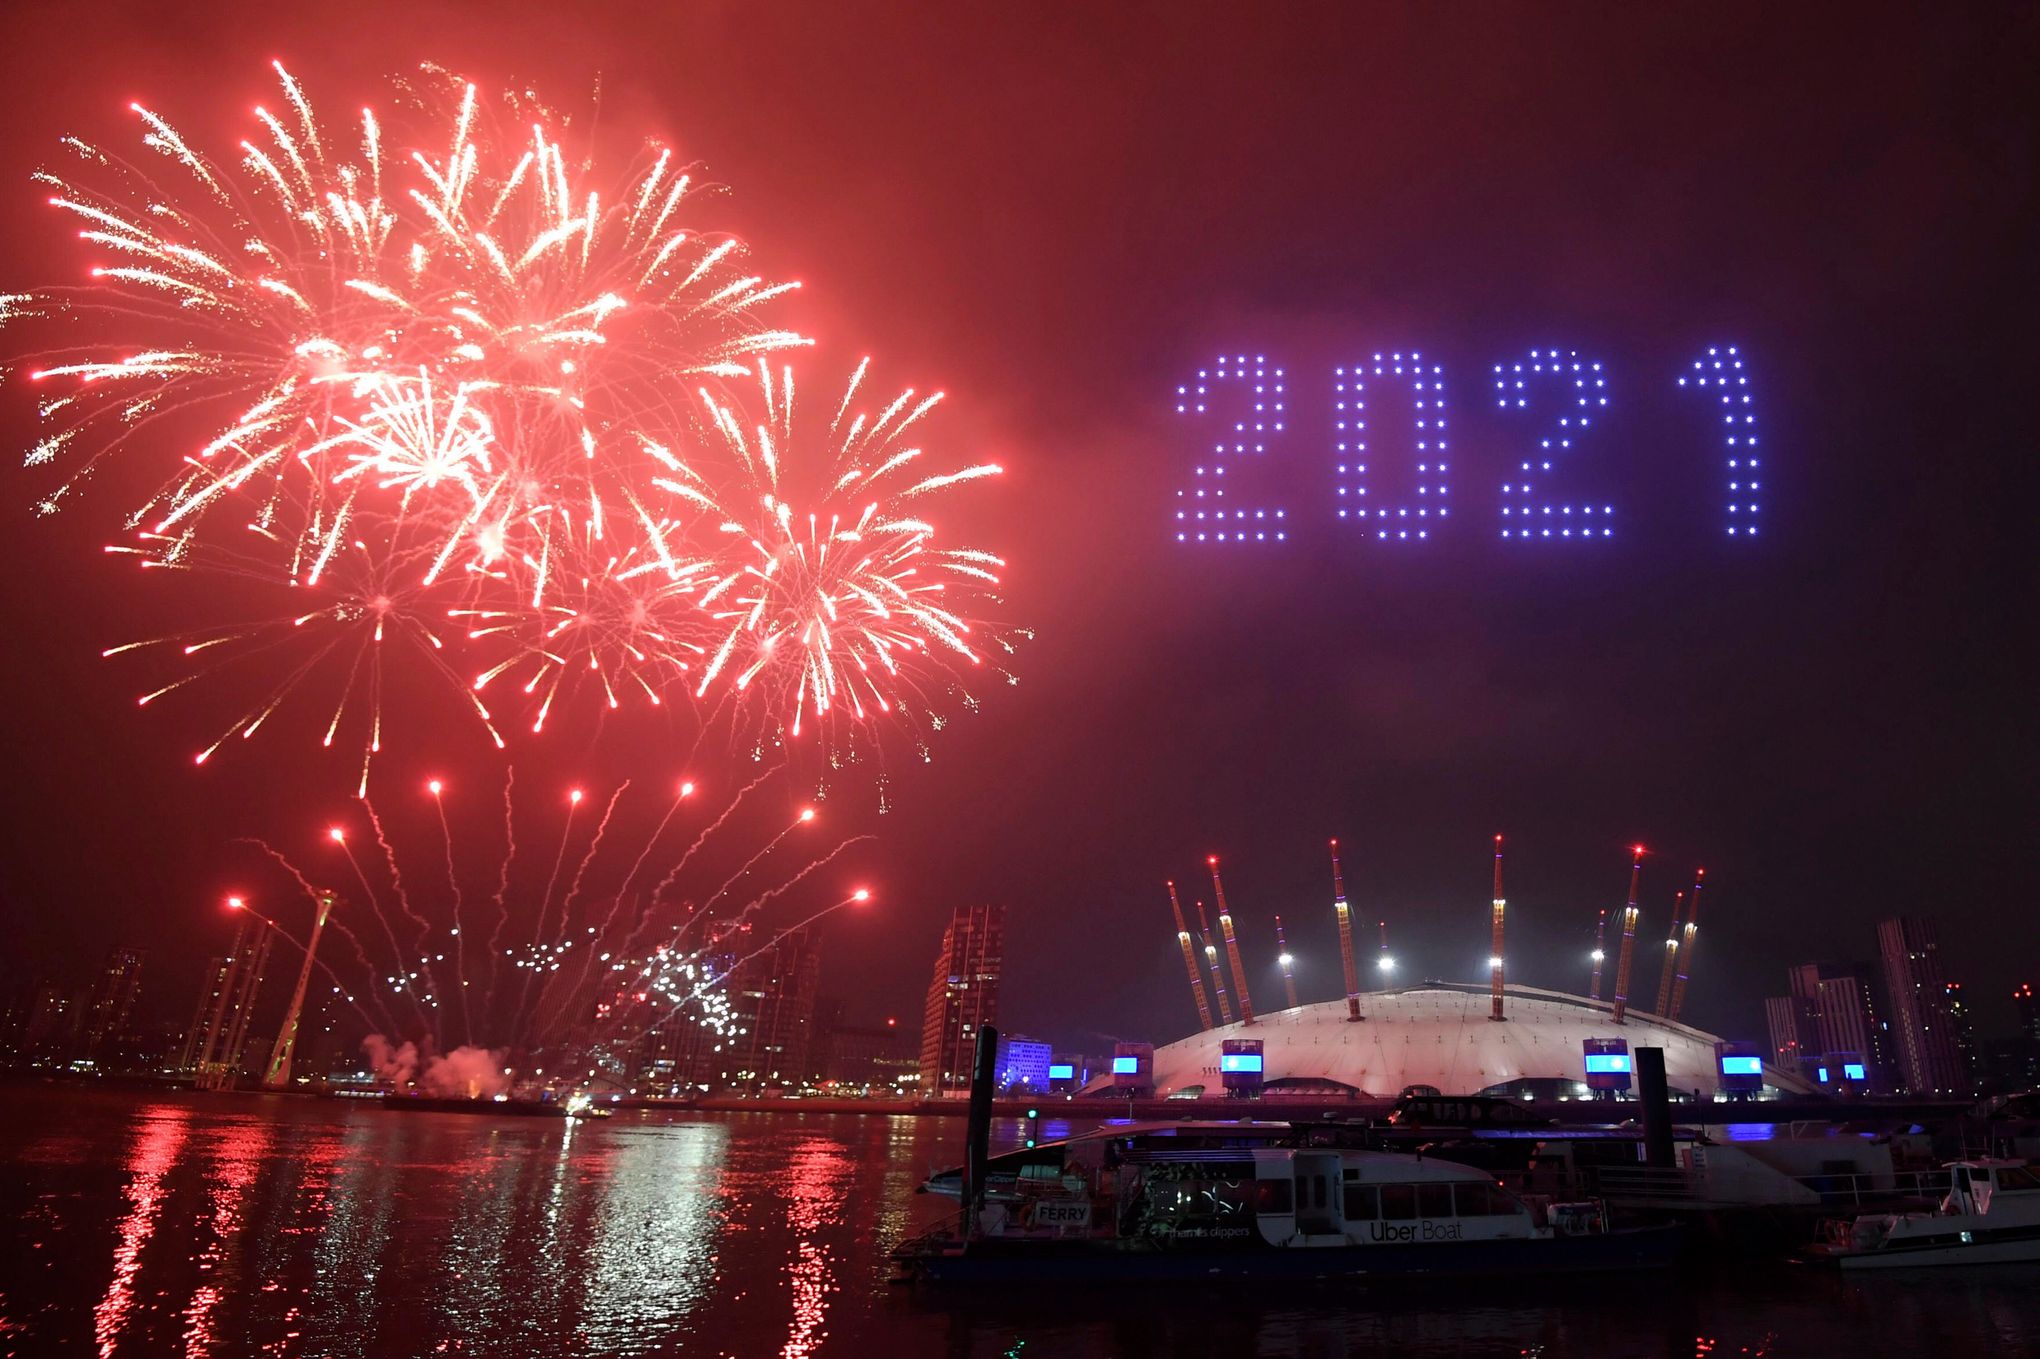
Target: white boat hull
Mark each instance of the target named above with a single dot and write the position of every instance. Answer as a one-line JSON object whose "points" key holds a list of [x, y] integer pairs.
{"points": [[1977, 1253]]}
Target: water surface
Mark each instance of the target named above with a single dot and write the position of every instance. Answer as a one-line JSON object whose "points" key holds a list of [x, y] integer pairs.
{"points": [[240, 1224]]}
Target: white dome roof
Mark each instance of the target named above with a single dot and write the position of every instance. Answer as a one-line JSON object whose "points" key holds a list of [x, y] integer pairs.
{"points": [[1439, 1034]]}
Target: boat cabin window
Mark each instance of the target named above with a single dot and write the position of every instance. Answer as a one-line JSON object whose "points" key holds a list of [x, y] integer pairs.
{"points": [[2017, 1177], [1399, 1202], [1215, 1191], [1481, 1199], [1434, 1200], [1362, 1203]]}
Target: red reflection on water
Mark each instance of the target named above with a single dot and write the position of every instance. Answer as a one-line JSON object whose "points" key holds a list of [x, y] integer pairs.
{"points": [[154, 1153], [237, 1155], [814, 1179]]}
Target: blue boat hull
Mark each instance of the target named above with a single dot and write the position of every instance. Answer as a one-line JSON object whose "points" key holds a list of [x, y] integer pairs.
{"points": [[1051, 1262]]}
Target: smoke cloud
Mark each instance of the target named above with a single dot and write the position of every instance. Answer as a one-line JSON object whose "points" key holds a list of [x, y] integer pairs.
{"points": [[393, 1065], [464, 1073]]}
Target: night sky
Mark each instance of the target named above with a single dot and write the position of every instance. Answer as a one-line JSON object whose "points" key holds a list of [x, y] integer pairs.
{"points": [[1057, 215]]}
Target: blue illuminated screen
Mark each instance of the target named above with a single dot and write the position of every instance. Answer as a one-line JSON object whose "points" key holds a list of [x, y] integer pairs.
{"points": [[1742, 1066], [1852, 1071], [1820, 1074], [1607, 1064], [1061, 1071], [1125, 1066], [1240, 1061]]}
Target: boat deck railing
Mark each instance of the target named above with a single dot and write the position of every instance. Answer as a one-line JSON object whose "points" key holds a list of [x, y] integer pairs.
{"points": [[1656, 1187], [1876, 1191], [1648, 1186]]}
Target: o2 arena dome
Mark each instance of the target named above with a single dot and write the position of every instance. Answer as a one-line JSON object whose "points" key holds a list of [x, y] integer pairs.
{"points": [[1439, 1034]]}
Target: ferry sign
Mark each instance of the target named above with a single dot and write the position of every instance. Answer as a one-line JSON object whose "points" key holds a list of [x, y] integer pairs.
{"points": [[1065, 1215], [1423, 1229]]}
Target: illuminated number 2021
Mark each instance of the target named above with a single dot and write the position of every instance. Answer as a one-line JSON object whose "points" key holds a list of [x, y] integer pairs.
{"points": [[1206, 512], [1583, 392], [1406, 519], [1245, 396]]}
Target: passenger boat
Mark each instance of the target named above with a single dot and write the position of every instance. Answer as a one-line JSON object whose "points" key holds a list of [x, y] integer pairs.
{"points": [[1256, 1201], [1991, 1215]]}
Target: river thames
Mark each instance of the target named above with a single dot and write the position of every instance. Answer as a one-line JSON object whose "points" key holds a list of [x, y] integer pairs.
{"points": [[242, 1225]]}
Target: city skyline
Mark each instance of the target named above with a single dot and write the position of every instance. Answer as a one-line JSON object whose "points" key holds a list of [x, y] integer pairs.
{"points": [[1839, 1029]]}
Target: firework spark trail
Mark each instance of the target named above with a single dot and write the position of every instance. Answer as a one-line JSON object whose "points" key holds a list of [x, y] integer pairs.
{"points": [[467, 1027], [503, 881], [637, 865], [767, 897], [594, 848], [389, 1019], [545, 903], [680, 865], [580, 1009], [806, 817], [549, 984], [722, 977], [634, 940], [401, 979], [404, 901], [719, 930], [622, 900]]}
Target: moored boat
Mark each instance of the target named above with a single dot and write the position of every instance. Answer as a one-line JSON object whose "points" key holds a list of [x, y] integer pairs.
{"points": [[1257, 1201], [1990, 1215]]}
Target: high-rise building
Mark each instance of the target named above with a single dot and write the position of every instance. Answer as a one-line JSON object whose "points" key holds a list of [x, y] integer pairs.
{"points": [[17, 1001], [2014, 1063], [1922, 1027], [110, 1002], [963, 996], [765, 1037], [878, 1057], [822, 1040], [1830, 1023], [774, 993], [38, 1022], [1795, 1033], [204, 1027], [1022, 1064], [1965, 1038], [51, 1022], [1845, 1016], [224, 1051]]}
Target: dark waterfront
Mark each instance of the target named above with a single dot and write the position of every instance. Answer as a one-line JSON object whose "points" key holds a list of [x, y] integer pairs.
{"points": [[245, 1225]]}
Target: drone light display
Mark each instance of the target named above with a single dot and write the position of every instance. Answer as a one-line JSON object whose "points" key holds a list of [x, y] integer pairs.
{"points": [[1558, 394]]}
